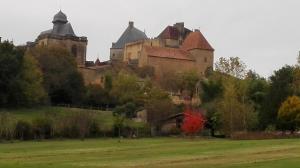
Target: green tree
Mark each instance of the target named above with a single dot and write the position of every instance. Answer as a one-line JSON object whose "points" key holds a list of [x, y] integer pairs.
{"points": [[96, 95], [211, 93], [289, 113], [280, 88], [32, 81], [129, 110], [20, 78], [235, 109], [237, 114], [126, 88], [189, 81], [62, 80], [159, 106]]}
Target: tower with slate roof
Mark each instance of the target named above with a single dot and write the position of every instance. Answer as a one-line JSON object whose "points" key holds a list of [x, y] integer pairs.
{"points": [[131, 34], [62, 35]]}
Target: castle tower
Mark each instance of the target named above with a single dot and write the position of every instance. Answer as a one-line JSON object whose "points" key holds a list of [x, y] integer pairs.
{"points": [[62, 34], [131, 34], [200, 49]]}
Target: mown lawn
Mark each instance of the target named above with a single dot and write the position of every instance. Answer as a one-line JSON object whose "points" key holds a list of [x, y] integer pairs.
{"points": [[151, 153]]}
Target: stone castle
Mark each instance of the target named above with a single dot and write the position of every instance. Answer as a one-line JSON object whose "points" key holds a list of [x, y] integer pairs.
{"points": [[175, 49]]}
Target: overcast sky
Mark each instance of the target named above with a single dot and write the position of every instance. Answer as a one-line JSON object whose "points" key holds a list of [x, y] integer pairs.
{"points": [[265, 34]]}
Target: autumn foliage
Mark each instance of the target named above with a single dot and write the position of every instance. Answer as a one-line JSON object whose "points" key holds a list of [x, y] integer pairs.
{"points": [[193, 122]]}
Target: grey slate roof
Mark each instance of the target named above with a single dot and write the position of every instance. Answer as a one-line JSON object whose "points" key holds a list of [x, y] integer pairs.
{"points": [[131, 34], [60, 17], [61, 26]]}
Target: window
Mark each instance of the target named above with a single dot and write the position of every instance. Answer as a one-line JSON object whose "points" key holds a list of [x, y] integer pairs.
{"points": [[205, 59], [74, 50]]}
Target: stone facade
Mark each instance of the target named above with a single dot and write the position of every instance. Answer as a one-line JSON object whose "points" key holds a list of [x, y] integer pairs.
{"points": [[76, 45], [133, 50], [170, 53], [94, 75]]}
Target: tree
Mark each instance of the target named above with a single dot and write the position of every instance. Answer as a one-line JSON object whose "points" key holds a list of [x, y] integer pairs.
{"points": [[119, 122], [96, 95], [62, 80], [158, 106], [182, 81], [193, 122], [190, 80], [289, 113], [20, 78], [211, 92], [128, 110], [237, 113], [126, 88], [32, 82], [279, 89], [232, 66], [211, 89]]}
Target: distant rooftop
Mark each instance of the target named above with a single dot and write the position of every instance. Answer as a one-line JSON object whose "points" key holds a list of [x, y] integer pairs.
{"points": [[131, 34], [196, 40], [61, 26]]}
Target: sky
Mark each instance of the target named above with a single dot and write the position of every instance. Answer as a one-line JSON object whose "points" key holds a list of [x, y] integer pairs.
{"points": [[265, 34]]}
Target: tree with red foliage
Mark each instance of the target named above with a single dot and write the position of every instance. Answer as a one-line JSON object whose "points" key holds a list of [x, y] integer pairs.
{"points": [[193, 122]]}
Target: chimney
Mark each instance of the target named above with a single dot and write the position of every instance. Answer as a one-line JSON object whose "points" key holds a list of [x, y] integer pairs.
{"points": [[131, 24], [179, 26]]}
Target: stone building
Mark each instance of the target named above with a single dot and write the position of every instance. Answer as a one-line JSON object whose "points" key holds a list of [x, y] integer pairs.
{"points": [[131, 34], [62, 35], [176, 49]]}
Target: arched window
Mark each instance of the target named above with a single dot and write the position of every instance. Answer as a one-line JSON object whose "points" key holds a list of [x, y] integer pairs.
{"points": [[74, 50]]}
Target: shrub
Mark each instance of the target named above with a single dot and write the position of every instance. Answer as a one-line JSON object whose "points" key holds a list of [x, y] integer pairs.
{"points": [[75, 125], [42, 128], [289, 114], [193, 122], [23, 130], [128, 110], [7, 126]]}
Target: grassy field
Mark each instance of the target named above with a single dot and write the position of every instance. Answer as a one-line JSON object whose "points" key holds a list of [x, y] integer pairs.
{"points": [[152, 153], [105, 117]]}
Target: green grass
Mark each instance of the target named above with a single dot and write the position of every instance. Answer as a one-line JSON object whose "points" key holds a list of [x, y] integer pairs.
{"points": [[152, 153], [28, 114]]}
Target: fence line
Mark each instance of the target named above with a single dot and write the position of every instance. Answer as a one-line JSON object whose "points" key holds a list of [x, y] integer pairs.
{"points": [[101, 108]]}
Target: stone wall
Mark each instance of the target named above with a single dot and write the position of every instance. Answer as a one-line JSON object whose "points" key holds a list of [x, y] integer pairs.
{"points": [[116, 54], [93, 76], [76, 47], [133, 50], [204, 59], [164, 66]]}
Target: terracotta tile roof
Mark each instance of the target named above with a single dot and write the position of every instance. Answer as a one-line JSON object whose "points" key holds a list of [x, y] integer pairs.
{"points": [[170, 53], [170, 32], [196, 40]]}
